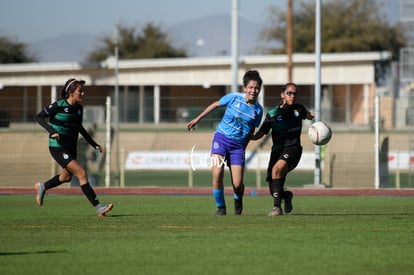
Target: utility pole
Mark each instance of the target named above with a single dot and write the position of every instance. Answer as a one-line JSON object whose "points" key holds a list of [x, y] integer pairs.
{"points": [[289, 40], [235, 45]]}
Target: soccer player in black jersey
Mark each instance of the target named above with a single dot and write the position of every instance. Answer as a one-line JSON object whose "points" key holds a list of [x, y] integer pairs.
{"points": [[285, 121], [64, 126]]}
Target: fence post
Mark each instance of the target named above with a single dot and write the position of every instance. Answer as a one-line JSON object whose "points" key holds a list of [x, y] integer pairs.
{"points": [[108, 143]]}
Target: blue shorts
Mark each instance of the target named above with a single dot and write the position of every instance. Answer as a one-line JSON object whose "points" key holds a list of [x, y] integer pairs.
{"points": [[233, 150]]}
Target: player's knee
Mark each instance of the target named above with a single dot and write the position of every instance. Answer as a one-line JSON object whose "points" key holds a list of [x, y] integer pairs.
{"points": [[279, 172], [65, 178]]}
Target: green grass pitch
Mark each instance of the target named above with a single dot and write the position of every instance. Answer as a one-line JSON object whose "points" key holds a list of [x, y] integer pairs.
{"points": [[181, 235]]}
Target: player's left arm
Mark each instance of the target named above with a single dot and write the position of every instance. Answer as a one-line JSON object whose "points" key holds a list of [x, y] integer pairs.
{"points": [[90, 140], [306, 114], [310, 115]]}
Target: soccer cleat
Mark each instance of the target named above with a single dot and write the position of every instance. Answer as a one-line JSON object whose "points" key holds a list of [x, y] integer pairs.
{"points": [[221, 211], [103, 209], [288, 202], [238, 207], [41, 191], [276, 211]]}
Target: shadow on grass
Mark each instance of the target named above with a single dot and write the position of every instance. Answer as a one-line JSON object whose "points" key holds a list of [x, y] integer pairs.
{"points": [[120, 216], [30, 253]]}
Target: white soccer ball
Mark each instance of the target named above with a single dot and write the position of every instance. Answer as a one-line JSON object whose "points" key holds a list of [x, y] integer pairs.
{"points": [[320, 133]]}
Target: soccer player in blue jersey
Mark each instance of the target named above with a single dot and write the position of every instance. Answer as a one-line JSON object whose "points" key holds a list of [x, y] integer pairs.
{"points": [[285, 121], [64, 126], [242, 116]]}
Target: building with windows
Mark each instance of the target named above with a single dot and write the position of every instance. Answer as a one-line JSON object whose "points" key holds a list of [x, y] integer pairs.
{"points": [[171, 90]]}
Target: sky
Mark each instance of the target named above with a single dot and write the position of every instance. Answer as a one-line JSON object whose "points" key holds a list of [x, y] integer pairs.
{"points": [[33, 20]]}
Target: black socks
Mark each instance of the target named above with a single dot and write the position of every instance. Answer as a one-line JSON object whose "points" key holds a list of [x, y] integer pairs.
{"points": [[90, 194], [53, 182], [86, 189], [276, 191]]}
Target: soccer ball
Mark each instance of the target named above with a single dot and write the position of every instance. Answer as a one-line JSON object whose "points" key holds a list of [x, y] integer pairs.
{"points": [[320, 133]]}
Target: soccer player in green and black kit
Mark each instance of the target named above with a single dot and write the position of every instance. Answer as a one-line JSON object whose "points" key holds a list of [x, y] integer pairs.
{"points": [[64, 126], [285, 121]]}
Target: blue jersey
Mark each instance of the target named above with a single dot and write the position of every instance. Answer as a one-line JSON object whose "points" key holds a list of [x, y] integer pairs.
{"points": [[240, 117]]}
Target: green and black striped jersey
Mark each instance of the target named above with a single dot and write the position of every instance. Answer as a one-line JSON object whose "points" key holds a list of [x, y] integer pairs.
{"points": [[66, 120]]}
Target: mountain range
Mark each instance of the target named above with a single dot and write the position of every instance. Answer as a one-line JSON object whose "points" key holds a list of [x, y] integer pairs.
{"points": [[208, 36]]}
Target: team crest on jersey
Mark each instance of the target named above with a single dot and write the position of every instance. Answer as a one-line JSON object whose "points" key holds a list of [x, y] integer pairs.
{"points": [[296, 113], [279, 118], [66, 110], [65, 156]]}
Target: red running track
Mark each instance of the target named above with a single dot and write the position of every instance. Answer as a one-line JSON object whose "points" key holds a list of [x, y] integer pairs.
{"points": [[207, 191]]}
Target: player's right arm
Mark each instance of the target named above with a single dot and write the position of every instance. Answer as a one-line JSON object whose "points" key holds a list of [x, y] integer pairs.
{"points": [[264, 129], [258, 135], [192, 124], [43, 115]]}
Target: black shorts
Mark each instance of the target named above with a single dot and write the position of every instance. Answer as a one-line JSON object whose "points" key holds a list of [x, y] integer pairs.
{"points": [[291, 155], [62, 156]]}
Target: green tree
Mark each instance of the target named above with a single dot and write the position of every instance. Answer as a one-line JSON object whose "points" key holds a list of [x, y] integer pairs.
{"points": [[13, 51], [151, 43], [347, 26]]}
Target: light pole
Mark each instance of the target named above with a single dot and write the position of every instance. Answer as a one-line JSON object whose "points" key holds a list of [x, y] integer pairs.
{"points": [[317, 171]]}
